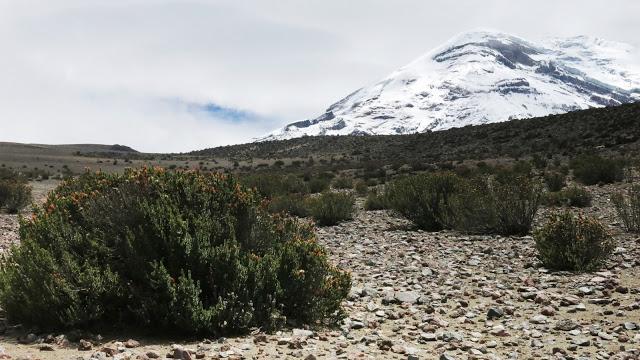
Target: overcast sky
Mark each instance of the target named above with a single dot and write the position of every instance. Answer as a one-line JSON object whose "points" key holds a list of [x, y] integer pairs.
{"points": [[188, 74]]}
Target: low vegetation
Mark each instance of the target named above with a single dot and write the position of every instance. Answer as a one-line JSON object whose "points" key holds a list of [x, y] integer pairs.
{"points": [[595, 169], [574, 243], [375, 201], [573, 196], [331, 208], [628, 208], [504, 204], [555, 181], [424, 199], [15, 192], [167, 252]]}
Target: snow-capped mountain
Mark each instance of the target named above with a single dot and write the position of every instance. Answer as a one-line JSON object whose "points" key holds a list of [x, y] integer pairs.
{"points": [[481, 77]]}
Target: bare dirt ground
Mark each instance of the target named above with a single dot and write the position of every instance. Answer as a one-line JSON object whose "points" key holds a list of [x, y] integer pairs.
{"points": [[419, 295]]}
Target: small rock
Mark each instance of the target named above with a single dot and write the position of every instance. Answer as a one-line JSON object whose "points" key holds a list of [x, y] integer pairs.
{"points": [[566, 325], [539, 319], [28, 339], [46, 347], [548, 311], [302, 333], [260, 338], [84, 345], [495, 313], [181, 354], [130, 344], [581, 341], [604, 336]]}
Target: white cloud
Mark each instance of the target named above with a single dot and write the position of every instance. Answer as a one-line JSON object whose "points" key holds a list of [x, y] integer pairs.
{"points": [[113, 71]]}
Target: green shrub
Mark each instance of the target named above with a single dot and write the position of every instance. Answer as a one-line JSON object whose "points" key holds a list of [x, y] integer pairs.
{"points": [[318, 185], [15, 192], [593, 169], [573, 243], [487, 205], [473, 207], [424, 199], [555, 181], [516, 202], [166, 252], [330, 208], [628, 208], [573, 196], [375, 201], [293, 204], [343, 183], [271, 185], [19, 196], [361, 187]]}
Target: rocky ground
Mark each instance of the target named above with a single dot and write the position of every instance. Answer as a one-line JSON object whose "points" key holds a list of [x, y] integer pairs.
{"points": [[420, 295]]}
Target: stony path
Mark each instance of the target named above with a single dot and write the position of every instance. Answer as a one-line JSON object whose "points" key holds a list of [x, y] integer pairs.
{"points": [[419, 295]]}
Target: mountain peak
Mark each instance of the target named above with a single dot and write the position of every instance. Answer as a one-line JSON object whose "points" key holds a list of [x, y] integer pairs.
{"points": [[483, 76]]}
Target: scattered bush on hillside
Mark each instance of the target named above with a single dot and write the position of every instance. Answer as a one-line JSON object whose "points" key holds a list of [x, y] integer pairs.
{"points": [[292, 204], [488, 205], [517, 200], [594, 169], [318, 185], [375, 201], [15, 192], [343, 183], [166, 251], [573, 196], [272, 185], [473, 207], [573, 243], [555, 181], [424, 199], [361, 188], [628, 208], [331, 208]]}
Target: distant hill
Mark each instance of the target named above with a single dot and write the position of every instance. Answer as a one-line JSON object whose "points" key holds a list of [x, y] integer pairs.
{"points": [[611, 129], [65, 149]]}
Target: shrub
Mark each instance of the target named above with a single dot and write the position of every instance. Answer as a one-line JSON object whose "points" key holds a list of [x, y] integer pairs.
{"points": [[14, 195], [566, 242], [343, 183], [504, 205], [628, 208], [424, 199], [271, 185], [593, 169], [516, 202], [318, 185], [555, 181], [473, 207], [573, 196], [330, 208], [361, 187], [166, 251], [375, 201], [293, 204]]}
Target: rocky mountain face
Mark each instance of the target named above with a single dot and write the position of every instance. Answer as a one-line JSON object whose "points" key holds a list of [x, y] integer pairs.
{"points": [[482, 77]]}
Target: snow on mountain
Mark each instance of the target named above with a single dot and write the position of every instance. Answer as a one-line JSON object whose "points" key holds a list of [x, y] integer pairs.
{"points": [[481, 77]]}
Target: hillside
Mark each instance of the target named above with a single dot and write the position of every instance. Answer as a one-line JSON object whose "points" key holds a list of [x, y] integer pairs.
{"points": [[612, 129]]}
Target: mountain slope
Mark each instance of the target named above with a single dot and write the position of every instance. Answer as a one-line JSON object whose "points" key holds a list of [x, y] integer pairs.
{"points": [[482, 77]]}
